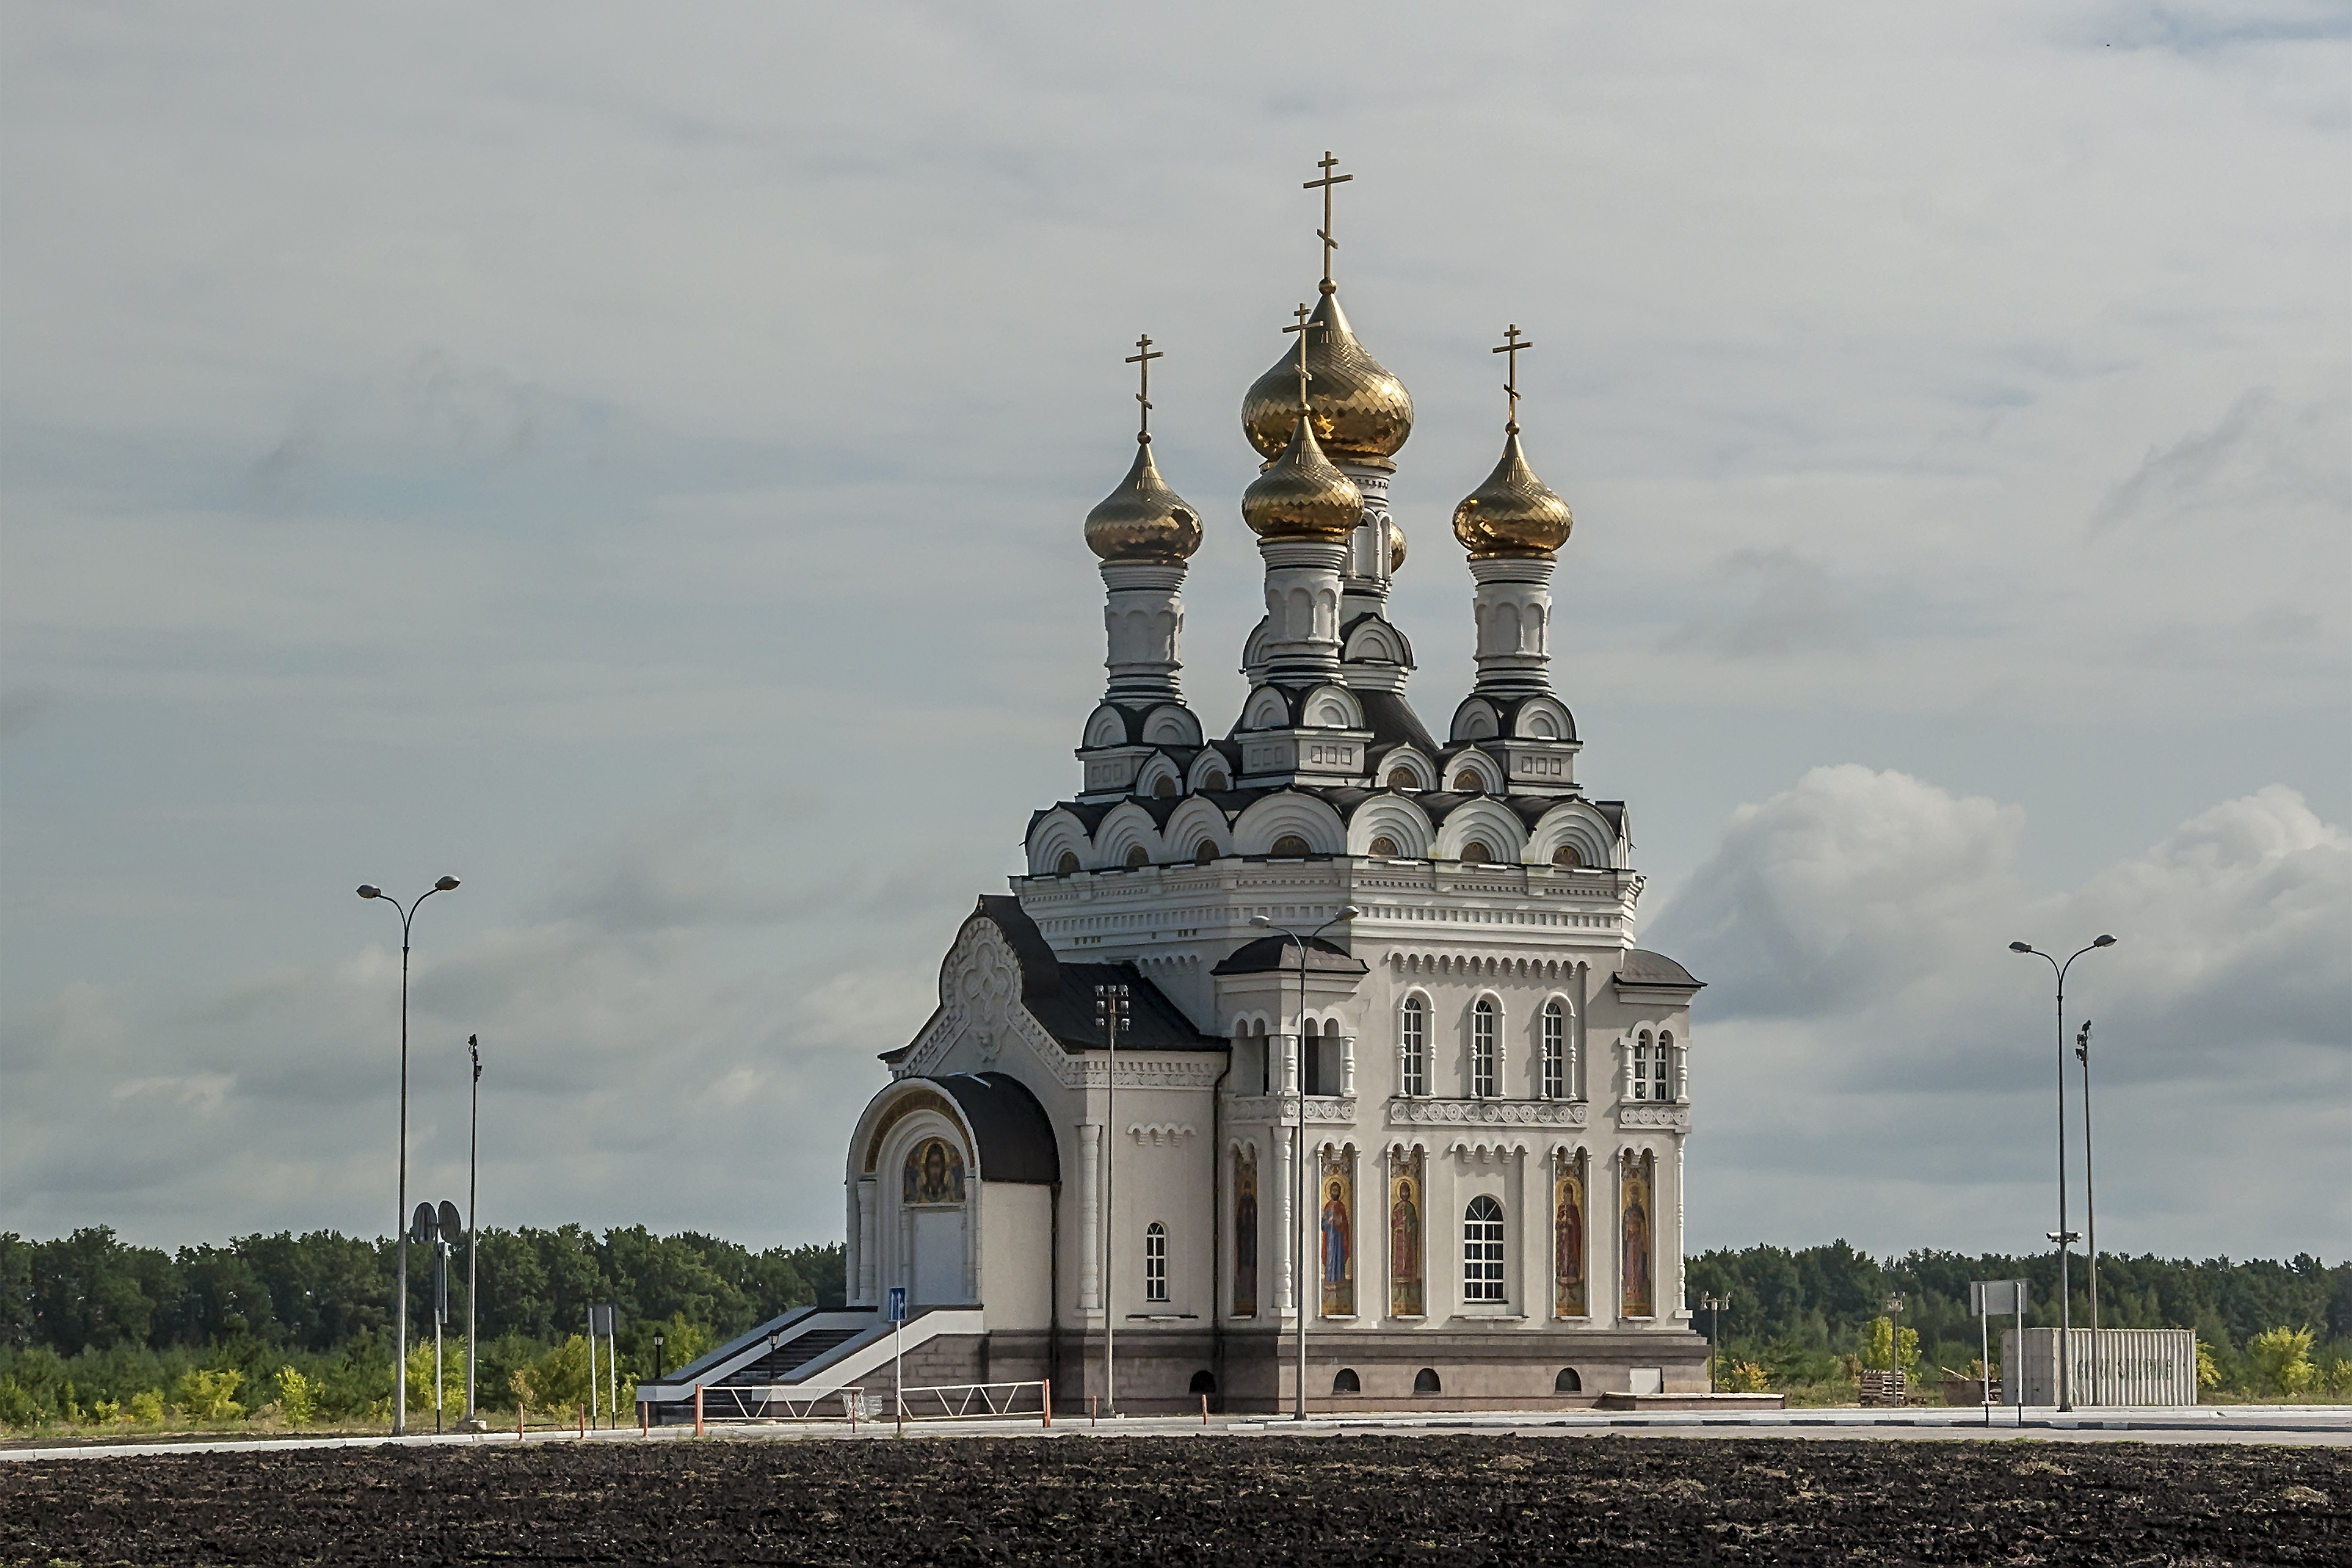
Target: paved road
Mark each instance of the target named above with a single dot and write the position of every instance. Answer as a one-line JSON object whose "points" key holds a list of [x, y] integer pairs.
{"points": [[2325, 1425]]}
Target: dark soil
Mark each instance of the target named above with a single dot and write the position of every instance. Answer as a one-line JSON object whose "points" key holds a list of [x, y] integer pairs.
{"points": [[1368, 1498]]}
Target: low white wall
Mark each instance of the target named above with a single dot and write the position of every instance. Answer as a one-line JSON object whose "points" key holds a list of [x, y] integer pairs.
{"points": [[2135, 1366]]}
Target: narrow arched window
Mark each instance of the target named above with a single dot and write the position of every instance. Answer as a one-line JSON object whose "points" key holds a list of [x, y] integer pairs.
{"points": [[1641, 1066], [1155, 1262], [1482, 1050], [1467, 783], [1214, 782], [1425, 1381], [1264, 1060], [1555, 1051], [1165, 788], [1290, 847], [1416, 1047], [1567, 855], [1401, 778], [1344, 1381], [1138, 856], [1384, 845], [1662, 1068], [1482, 1251], [1206, 853], [1068, 866], [1476, 853]]}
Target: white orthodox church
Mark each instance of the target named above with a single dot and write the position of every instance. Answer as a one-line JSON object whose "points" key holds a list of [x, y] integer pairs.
{"points": [[1391, 1069]]}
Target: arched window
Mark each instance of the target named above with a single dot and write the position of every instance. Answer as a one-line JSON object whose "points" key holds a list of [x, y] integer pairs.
{"points": [[1482, 1251], [1206, 853], [1165, 788], [1568, 1382], [1290, 847], [1555, 1051], [1476, 853], [1662, 1068], [1384, 845], [1066, 866], [1138, 856], [1346, 1382], [1264, 1060], [1482, 1049], [1567, 855], [1214, 781], [1155, 1262], [1416, 1047], [1203, 1382], [1641, 1065], [1425, 1381], [1401, 778], [1467, 783]]}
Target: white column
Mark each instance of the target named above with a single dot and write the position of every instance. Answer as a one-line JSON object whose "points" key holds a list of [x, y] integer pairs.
{"points": [[1348, 1065], [1513, 604], [868, 1200], [1682, 1299], [1280, 1210], [1144, 617], [1290, 1078], [1089, 1216], [1581, 1085]]}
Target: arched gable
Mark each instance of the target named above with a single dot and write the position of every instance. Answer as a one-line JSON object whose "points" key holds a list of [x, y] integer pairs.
{"points": [[1574, 824], [1543, 718], [1170, 724], [1268, 708], [1331, 708], [1210, 771], [1129, 826], [1160, 776], [1195, 822], [1408, 759], [1486, 822], [1277, 815], [1476, 719], [1393, 817], [1470, 759], [1056, 834], [1108, 726]]}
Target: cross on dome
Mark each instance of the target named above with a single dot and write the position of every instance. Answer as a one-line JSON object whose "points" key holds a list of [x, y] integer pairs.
{"points": [[1511, 346], [1143, 355], [1326, 164]]}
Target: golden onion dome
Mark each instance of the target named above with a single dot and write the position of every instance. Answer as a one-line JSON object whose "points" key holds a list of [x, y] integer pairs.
{"points": [[1514, 512], [1300, 495], [1143, 519], [1362, 414], [1396, 547]]}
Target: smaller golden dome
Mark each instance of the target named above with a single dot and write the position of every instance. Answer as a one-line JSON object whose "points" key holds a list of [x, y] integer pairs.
{"points": [[1514, 512], [1143, 519], [1300, 495], [1396, 547], [1362, 414]]}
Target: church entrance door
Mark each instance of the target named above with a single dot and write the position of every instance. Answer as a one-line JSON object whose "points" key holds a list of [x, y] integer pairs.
{"points": [[938, 1257]]}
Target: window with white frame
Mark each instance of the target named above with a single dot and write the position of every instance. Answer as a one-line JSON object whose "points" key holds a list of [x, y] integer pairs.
{"points": [[1555, 1051], [1155, 1262], [1482, 1251], [1641, 1074], [1416, 1047], [1663, 1067], [1266, 1073], [1482, 1049]]}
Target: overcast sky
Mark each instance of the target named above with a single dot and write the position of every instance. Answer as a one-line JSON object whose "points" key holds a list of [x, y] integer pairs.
{"points": [[633, 458]]}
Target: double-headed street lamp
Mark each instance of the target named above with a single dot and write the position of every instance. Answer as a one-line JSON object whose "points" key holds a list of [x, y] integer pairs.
{"points": [[407, 916], [2061, 1236], [1298, 1173]]}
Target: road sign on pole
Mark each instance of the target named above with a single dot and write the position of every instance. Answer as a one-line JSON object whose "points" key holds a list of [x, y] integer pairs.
{"points": [[897, 1310], [1987, 1297]]}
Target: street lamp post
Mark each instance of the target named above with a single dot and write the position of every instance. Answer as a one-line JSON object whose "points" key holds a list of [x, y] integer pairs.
{"points": [[473, 1221], [400, 1374], [2090, 1204], [2061, 1236], [1715, 1304], [1113, 1013], [1298, 1162]]}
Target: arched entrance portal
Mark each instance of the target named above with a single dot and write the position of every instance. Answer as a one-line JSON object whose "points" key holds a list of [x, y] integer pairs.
{"points": [[932, 1196]]}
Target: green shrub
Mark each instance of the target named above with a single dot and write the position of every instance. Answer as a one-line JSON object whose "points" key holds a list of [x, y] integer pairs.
{"points": [[557, 1382], [1743, 1377], [209, 1395], [297, 1397], [147, 1408], [2280, 1361], [17, 1407]]}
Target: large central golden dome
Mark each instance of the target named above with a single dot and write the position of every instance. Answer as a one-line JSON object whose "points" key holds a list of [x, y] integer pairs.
{"points": [[1362, 413]]}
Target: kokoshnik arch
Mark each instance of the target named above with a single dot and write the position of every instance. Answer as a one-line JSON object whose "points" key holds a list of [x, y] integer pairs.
{"points": [[1492, 1076]]}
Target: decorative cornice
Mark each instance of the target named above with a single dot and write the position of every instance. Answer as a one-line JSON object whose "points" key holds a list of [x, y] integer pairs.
{"points": [[1676, 1116], [1283, 1109], [1487, 1112]]}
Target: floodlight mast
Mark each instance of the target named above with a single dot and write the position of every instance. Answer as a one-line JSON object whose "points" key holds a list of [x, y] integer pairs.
{"points": [[1299, 1165], [2061, 1236], [400, 1369]]}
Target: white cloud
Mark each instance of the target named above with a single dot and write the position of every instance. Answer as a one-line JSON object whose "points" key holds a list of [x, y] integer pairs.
{"points": [[1862, 1000]]}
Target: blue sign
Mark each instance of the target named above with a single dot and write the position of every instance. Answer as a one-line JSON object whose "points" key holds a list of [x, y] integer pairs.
{"points": [[897, 1311]]}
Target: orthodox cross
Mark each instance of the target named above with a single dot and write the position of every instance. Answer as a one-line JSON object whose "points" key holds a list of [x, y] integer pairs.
{"points": [[1511, 346], [1326, 165], [1304, 377], [1142, 357]]}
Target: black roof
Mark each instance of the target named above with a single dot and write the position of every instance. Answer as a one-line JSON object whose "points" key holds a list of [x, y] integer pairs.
{"points": [[1061, 996], [1269, 953], [1641, 967], [1015, 1140], [1391, 720]]}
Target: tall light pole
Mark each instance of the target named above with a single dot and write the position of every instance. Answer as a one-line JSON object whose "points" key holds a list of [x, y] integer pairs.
{"points": [[2090, 1204], [1715, 1304], [400, 1369], [2061, 1236], [1112, 1012], [1298, 1163], [473, 1220]]}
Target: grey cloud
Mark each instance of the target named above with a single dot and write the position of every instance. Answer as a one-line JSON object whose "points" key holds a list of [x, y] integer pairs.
{"points": [[2263, 453], [1794, 610]]}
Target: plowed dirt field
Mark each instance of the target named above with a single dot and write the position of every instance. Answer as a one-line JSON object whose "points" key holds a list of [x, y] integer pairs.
{"points": [[1352, 1500]]}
